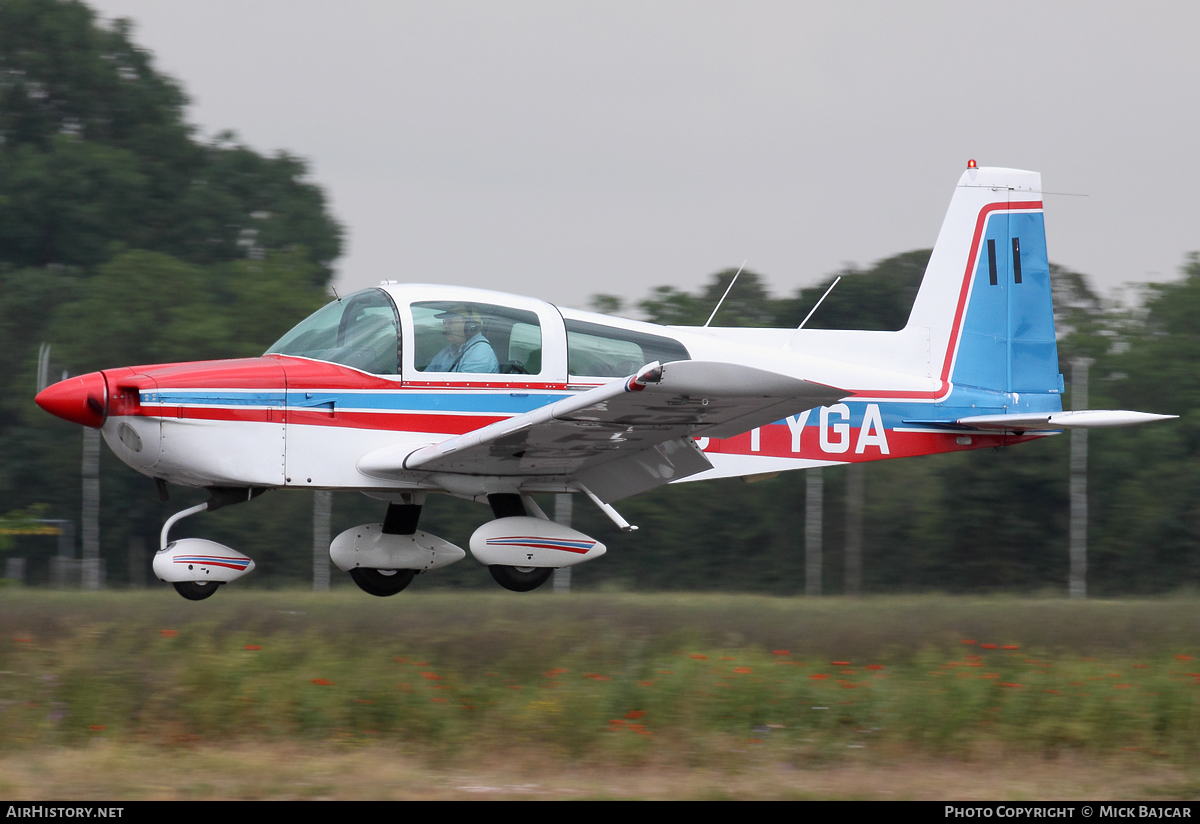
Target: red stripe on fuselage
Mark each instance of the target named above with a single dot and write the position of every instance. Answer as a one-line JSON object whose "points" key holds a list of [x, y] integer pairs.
{"points": [[449, 424], [209, 413], [776, 442]]}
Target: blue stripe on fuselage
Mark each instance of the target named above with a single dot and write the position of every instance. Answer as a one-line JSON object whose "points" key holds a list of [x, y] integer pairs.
{"points": [[495, 403], [176, 397]]}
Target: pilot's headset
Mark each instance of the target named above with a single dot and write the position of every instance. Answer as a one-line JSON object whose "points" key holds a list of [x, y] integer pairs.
{"points": [[472, 322]]}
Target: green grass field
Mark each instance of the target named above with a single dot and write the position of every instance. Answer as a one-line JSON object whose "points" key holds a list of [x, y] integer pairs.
{"points": [[292, 695]]}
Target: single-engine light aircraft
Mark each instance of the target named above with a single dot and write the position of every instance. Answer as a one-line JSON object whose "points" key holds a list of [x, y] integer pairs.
{"points": [[406, 389]]}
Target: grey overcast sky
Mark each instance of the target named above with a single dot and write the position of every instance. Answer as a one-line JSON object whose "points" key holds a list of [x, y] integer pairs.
{"points": [[560, 148]]}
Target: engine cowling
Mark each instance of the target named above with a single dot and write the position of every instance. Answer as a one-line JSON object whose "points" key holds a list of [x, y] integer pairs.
{"points": [[198, 559], [522, 541]]}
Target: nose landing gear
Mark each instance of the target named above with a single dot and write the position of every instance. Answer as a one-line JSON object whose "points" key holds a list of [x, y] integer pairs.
{"points": [[197, 567]]}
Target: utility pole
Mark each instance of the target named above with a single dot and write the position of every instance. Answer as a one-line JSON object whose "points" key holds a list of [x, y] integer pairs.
{"points": [[322, 513], [855, 494], [64, 565], [90, 570], [812, 530], [1077, 585], [562, 515]]}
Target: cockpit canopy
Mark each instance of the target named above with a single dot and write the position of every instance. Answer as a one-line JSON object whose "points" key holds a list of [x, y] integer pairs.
{"points": [[446, 334]]}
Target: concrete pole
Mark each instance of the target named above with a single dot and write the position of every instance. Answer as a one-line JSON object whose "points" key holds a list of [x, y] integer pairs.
{"points": [[562, 514], [137, 562], [90, 570], [855, 495], [812, 531], [1077, 585], [63, 564], [322, 514]]}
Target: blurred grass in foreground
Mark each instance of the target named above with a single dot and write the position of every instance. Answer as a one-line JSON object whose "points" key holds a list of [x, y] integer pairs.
{"points": [[604, 678]]}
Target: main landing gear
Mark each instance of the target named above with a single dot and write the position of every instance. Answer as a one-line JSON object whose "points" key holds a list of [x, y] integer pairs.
{"points": [[196, 590], [520, 579], [521, 551], [515, 578], [382, 559], [401, 519], [382, 582]]}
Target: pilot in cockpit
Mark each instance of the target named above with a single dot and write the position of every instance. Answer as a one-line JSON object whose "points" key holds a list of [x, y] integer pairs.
{"points": [[468, 350]]}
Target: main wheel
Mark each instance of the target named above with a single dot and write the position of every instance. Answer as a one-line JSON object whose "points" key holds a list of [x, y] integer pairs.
{"points": [[382, 582], [196, 590], [520, 579]]}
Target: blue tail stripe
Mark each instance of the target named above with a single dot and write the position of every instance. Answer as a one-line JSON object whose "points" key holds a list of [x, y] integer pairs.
{"points": [[1007, 343]]}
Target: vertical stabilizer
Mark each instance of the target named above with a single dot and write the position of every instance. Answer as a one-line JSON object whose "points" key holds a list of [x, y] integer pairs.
{"points": [[985, 298]]}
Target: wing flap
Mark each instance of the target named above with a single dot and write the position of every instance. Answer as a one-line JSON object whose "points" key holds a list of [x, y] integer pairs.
{"points": [[660, 464]]}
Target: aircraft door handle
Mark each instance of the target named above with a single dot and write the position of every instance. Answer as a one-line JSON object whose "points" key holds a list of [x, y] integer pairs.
{"points": [[317, 403]]}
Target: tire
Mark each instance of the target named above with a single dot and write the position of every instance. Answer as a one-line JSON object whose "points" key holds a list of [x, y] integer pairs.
{"points": [[382, 582], [196, 590], [520, 579]]}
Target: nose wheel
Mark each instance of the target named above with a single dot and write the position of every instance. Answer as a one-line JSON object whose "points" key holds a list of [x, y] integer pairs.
{"points": [[197, 567]]}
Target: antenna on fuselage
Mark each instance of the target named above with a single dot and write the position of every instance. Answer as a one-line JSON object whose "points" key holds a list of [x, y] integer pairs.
{"points": [[722, 300], [814, 309], [336, 295]]}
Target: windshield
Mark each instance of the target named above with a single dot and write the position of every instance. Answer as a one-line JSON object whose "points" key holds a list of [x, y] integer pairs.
{"points": [[361, 331]]}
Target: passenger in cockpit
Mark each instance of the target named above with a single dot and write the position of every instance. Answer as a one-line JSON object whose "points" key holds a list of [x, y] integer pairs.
{"points": [[468, 350]]}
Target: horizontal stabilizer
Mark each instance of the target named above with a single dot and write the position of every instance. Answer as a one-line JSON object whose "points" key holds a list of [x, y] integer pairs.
{"points": [[1049, 421]]}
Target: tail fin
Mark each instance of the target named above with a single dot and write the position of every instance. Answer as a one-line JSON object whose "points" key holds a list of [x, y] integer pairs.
{"points": [[985, 298], [975, 366]]}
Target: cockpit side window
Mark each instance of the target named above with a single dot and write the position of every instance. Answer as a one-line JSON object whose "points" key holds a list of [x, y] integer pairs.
{"points": [[594, 350], [453, 336], [362, 331]]}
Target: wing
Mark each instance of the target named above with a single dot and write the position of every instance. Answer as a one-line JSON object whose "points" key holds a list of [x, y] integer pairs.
{"points": [[621, 438]]}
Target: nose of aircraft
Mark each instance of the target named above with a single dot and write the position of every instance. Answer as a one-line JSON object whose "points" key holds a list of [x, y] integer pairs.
{"points": [[82, 400]]}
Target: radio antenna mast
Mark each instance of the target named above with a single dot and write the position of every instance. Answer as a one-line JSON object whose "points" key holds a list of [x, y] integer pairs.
{"points": [[810, 311], [722, 300]]}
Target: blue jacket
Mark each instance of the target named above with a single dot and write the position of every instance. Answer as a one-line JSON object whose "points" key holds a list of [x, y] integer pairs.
{"points": [[476, 355]]}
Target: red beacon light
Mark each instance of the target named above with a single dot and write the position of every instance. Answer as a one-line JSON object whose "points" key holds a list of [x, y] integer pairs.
{"points": [[971, 164]]}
